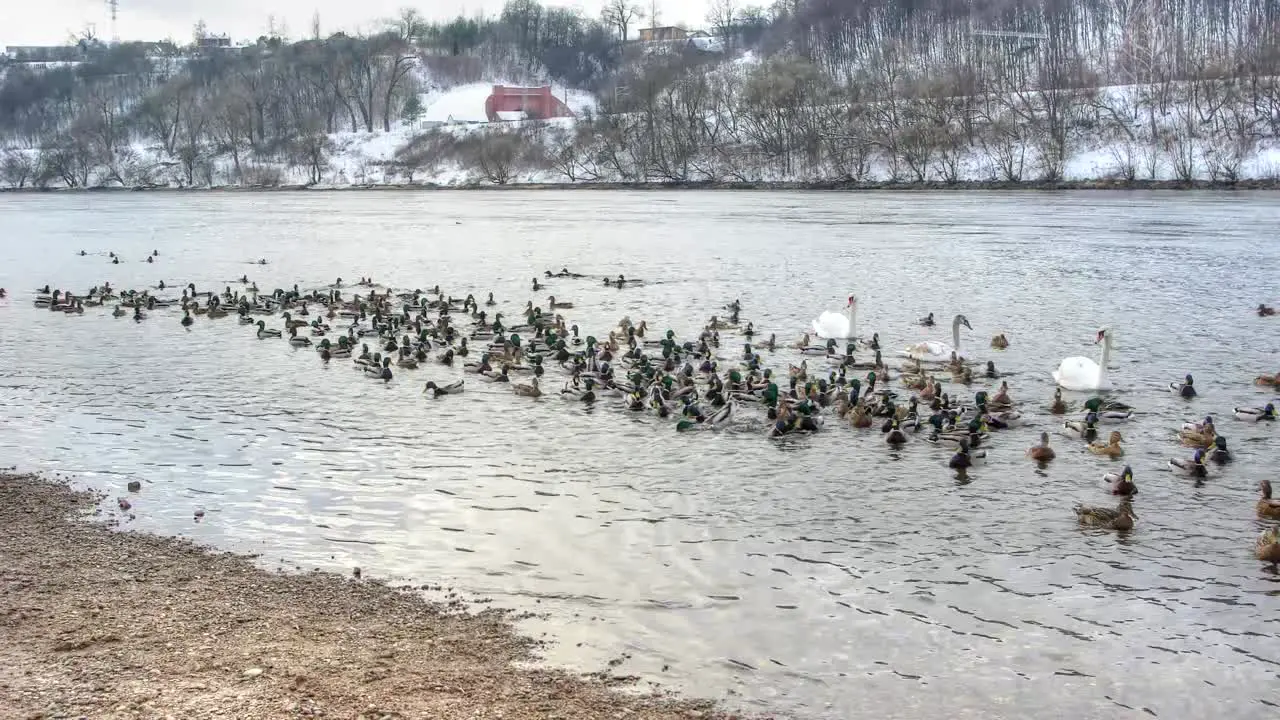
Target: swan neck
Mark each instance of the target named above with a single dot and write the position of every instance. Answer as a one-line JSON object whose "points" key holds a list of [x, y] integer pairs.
{"points": [[955, 333], [1106, 355]]}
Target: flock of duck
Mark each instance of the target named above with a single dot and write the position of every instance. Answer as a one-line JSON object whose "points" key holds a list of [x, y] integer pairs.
{"points": [[697, 383]]}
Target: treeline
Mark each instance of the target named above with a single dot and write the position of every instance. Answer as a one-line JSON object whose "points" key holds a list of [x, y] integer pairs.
{"points": [[839, 89]]}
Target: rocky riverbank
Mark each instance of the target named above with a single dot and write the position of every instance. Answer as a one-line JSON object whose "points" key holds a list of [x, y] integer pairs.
{"points": [[105, 624]]}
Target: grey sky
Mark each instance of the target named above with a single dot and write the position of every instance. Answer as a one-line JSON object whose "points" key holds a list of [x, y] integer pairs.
{"points": [[31, 22]]}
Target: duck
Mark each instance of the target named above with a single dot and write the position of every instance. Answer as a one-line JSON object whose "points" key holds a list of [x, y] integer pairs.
{"points": [[1256, 414], [187, 321], [1218, 452], [965, 457], [1121, 483], [1268, 509], [1112, 447], [453, 388], [1119, 518], [551, 302], [263, 332], [1000, 342], [1185, 389], [1058, 407], [1041, 452], [860, 417], [119, 311], [328, 351], [1267, 380], [1001, 400], [1268, 546], [1265, 310], [1191, 468], [716, 421], [528, 390], [895, 436], [502, 375], [581, 395], [296, 341], [1199, 435], [379, 372], [926, 321], [1085, 429]]}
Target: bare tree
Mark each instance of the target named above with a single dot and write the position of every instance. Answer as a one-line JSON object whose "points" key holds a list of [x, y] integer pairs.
{"points": [[619, 15], [722, 16], [17, 168]]}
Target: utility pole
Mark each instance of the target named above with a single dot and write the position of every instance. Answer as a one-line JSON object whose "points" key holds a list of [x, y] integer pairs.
{"points": [[114, 7]]}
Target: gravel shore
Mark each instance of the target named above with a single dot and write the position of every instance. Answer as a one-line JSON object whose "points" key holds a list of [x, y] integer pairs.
{"points": [[103, 624]]}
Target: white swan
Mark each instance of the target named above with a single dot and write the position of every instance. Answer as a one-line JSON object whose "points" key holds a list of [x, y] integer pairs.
{"points": [[935, 351], [1082, 373], [837, 326]]}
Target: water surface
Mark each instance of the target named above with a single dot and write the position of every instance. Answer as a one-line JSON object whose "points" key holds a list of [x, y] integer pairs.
{"points": [[821, 576]]}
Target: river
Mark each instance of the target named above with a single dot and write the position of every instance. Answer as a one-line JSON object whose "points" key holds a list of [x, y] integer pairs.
{"points": [[820, 577]]}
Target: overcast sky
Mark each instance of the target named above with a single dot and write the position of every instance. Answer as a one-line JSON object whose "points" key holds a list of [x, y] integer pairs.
{"points": [[47, 22]]}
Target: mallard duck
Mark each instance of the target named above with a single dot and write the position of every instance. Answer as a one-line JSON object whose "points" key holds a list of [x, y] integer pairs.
{"points": [[503, 375], [927, 321], [1058, 407], [1265, 310], [296, 341], [585, 394], [290, 323], [1001, 400], [716, 421], [379, 372], [1268, 547], [860, 417], [1256, 414], [551, 302], [1218, 452], [1041, 452], [263, 332], [1121, 483], [1267, 380], [1191, 468], [528, 390], [453, 388], [1119, 518], [992, 373], [490, 302], [187, 321], [895, 436], [1198, 435], [1000, 342], [1185, 389], [408, 362], [1267, 508], [1086, 429], [1112, 417], [119, 311], [478, 367], [966, 457], [1112, 447]]}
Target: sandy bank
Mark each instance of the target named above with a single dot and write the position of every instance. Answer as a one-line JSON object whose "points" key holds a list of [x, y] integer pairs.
{"points": [[104, 624]]}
